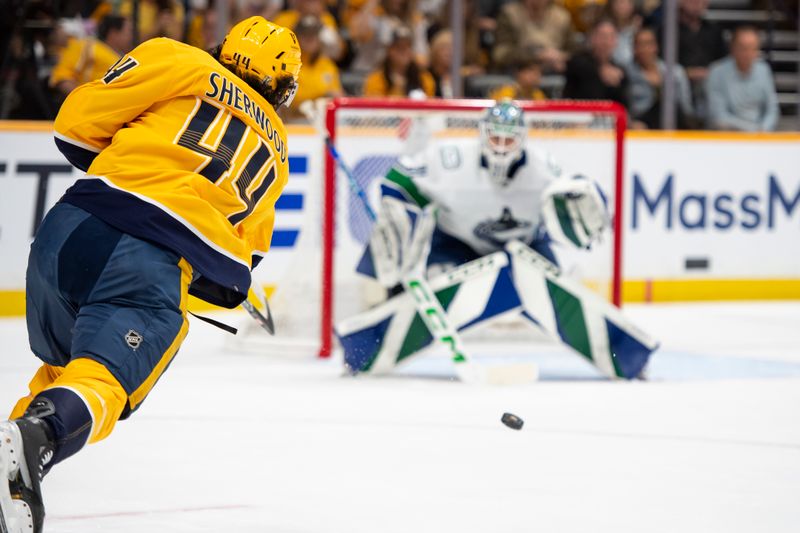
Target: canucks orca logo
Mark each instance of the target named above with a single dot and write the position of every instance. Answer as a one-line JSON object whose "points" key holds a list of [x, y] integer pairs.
{"points": [[502, 230]]}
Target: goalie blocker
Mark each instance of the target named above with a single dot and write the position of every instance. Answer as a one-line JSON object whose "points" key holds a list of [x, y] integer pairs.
{"points": [[517, 280]]}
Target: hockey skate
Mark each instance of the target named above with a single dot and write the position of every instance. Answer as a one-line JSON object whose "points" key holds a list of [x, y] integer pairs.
{"points": [[25, 450]]}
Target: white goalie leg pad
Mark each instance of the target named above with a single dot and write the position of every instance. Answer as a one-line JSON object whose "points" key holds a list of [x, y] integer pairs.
{"points": [[574, 211], [579, 317], [378, 339], [373, 340]]}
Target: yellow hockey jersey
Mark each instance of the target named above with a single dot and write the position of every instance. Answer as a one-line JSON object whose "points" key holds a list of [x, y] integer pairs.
{"points": [[179, 151], [83, 60]]}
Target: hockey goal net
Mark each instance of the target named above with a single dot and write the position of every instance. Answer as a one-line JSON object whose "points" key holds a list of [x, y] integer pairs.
{"points": [[321, 286]]}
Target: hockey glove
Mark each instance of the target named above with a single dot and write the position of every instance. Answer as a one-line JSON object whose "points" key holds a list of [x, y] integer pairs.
{"points": [[574, 211], [400, 240]]}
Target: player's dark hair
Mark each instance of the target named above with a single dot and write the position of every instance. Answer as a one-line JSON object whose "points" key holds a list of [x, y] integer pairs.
{"points": [[108, 23], [275, 97], [215, 52]]}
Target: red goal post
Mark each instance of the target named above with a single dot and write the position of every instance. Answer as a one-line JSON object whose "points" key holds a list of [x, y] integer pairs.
{"points": [[609, 110]]}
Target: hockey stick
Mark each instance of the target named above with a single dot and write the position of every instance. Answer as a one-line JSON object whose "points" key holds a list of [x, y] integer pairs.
{"points": [[425, 300], [264, 319]]}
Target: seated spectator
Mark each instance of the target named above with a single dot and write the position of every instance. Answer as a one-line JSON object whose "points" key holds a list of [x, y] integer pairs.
{"points": [[29, 50], [700, 43], [319, 77], [593, 74], [331, 40], [476, 56], [431, 9], [348, 9], [210, 30], [204, 31], [372, 26], [650, 11], [622, 13], [527, 78], [88, 59], [537, 24], [400, 74], [487, 13], [157, 18], [440, 63], [584, 13], [741, 93], [646, 78], [484, 22]]}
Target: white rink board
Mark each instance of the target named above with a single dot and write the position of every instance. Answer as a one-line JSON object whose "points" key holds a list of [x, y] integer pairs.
{"points": [[21, 151], [726, 203], [21, 189], [751, 180]]}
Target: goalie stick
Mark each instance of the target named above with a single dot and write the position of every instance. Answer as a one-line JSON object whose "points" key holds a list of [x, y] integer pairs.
{"points": [[425, 300]]}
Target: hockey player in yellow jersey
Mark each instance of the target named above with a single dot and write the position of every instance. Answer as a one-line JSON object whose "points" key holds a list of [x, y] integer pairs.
{"points": [[185, 158]]}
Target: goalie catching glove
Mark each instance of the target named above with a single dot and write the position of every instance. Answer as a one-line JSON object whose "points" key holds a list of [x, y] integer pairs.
{"points": [[574, 211]]}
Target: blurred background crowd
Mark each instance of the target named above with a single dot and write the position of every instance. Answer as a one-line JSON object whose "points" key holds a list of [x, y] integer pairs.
{"points": [[736, 64]]}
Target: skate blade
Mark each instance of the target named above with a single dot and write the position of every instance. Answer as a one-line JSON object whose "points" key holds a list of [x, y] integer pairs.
{"points": [[15, 515], [7, 508], [21, 521]]}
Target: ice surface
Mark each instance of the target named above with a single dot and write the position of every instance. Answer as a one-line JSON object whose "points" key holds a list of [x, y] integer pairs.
{"points": [[265, 443]]}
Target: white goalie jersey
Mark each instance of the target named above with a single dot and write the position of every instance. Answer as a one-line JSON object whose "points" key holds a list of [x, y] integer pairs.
{"points": [[446, 188], [470, 207]]}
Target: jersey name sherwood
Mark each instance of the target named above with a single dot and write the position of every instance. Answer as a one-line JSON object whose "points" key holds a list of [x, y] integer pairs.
{"points": [[231, 95]]}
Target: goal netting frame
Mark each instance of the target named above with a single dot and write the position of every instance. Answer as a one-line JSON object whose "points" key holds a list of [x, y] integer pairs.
{"points": [[606, 110]]}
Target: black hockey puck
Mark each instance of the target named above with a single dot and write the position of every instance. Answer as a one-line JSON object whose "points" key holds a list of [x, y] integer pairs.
{"points": [[512, 421]]}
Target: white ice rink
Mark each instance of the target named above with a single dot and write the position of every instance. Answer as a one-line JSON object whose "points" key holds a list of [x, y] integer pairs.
{"points": [[262, 443]]}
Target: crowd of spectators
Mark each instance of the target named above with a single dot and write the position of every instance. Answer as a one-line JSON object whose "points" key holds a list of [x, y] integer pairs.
{"points": [[594, 49]]}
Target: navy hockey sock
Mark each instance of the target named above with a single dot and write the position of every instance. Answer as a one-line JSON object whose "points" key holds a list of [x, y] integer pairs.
{"points": [[67, 416]]}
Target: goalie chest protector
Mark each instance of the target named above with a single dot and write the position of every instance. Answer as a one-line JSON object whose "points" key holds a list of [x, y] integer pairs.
{"points": [[474, 209]]}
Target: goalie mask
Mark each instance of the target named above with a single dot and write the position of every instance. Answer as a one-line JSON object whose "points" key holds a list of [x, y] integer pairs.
{"points": [[502, 133], [266, 56]]}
